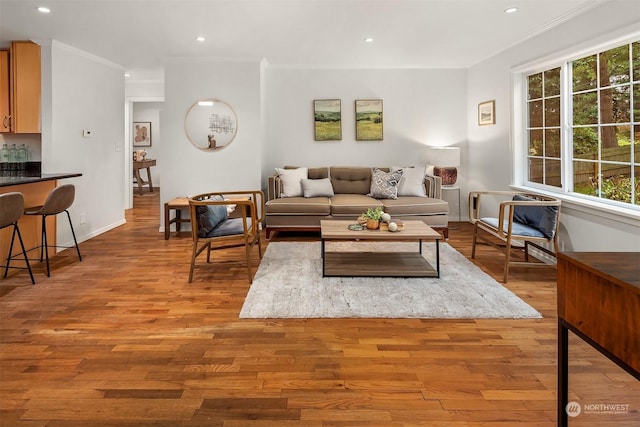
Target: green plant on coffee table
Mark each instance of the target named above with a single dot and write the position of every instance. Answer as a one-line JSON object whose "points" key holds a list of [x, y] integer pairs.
{"points": [[373, 213]]}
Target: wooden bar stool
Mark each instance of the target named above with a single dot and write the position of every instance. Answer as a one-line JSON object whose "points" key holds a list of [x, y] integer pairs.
{"points": [[11, 209], [58, 201], [176, 204]]}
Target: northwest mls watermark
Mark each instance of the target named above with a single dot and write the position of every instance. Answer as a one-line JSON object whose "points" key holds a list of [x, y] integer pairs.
{"points": [[574, 408]]}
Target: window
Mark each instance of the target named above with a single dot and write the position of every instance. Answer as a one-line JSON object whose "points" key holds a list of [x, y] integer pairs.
{"points": [[598, 154], [543, 128]]}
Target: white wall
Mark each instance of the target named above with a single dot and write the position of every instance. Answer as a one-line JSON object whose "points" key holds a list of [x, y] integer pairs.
{"points": [[81, 91], [420, 107], [150, 112], [489, 152], [187, 170]]}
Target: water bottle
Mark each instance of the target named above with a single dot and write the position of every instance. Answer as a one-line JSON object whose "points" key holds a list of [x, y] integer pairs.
{"points": [[4, 158], [22, 158], [13, 158]]}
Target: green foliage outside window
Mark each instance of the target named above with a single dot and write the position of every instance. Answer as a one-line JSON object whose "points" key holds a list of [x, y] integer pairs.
{"points": [[605, 119]]}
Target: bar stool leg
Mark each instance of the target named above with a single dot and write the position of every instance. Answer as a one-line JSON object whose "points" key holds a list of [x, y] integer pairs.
{"points": [[45, 245], [73, 233], [16, 230]]}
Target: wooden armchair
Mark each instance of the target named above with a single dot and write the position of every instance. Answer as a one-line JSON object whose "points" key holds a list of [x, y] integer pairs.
{"points": [[522, 220], [226, 220]]}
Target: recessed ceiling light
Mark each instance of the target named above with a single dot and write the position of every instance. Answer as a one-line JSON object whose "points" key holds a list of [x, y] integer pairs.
{"points": [[369, 39], [127, 75], [200, 38], [511, 10], [44, 9]]}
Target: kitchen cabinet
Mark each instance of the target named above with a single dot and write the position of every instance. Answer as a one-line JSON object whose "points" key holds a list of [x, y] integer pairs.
{"points": [[20, 88]]}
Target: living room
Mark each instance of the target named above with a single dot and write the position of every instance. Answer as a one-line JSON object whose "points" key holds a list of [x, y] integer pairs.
{"points": [[274, 105]]}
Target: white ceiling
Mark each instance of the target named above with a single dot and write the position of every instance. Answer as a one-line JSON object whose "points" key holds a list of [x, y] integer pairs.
{"points": [[140, 34]]}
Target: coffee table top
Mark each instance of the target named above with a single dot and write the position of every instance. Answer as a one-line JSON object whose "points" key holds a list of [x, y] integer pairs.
{"points": [[413, 230]]}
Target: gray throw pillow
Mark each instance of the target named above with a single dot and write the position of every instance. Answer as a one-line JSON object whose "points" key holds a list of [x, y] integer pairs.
{"points": [[317, 187], [384, 185]]}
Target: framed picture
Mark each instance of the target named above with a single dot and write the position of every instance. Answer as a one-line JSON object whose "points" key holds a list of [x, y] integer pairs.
{"points": [[142, 134], [487, 113], [327, 119], [369, 120]]}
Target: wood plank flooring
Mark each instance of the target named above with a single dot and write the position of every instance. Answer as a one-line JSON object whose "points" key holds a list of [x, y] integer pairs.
{"points": [[121, 339]]}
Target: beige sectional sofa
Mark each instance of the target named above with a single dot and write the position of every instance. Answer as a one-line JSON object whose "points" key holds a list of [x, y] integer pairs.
{"points": [[298, 198]]}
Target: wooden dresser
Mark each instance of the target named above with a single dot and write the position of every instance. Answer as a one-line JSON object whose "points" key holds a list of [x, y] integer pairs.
{"points": [[598, 300]]}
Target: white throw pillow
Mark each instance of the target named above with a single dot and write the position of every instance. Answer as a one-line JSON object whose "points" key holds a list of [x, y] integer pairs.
{"points": [[291, 181], [317, 187], [412, 181]]}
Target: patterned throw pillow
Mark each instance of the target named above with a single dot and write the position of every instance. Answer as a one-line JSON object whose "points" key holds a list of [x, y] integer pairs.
{"points": [[384, 185]]}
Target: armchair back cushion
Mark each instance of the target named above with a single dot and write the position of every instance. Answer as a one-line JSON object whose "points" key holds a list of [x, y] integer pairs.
{"points": [[209, 217], [542, 218]]}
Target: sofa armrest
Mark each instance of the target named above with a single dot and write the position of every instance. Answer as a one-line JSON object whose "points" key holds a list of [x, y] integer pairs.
{"points": [[433, 186], [274, 187]]}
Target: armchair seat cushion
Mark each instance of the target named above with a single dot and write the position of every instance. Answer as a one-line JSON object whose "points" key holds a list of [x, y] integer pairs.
{"points": [[229, 227], [517, 229]]}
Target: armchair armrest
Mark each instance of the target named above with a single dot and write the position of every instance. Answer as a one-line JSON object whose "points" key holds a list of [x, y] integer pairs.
{"points": [[508, 212]]}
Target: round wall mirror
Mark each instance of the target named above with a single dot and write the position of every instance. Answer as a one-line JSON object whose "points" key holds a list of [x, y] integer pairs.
{"points": [[211, 124]]}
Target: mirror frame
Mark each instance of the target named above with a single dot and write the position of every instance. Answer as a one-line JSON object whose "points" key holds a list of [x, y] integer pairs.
{"points": [[205, 133]]}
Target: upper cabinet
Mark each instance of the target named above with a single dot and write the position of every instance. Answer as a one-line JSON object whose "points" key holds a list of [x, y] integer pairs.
{"points": [[20, 88]]}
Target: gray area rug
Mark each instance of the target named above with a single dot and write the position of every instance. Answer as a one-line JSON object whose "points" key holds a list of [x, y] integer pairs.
{"points": [[289, 284]]}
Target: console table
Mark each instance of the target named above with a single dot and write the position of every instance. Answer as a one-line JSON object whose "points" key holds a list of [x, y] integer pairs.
{"points": [[143, 164], [599, 301]]}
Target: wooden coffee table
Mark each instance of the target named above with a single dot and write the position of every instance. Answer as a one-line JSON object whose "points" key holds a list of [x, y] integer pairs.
{"points": [[379, 264]]}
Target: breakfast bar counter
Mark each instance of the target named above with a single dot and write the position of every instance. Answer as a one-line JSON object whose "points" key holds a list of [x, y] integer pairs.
{"points": [[35, 187], [6, 181]]}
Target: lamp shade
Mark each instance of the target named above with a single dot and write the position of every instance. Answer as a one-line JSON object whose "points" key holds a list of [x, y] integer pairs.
{"points": [[444, 156], [445, 161]]}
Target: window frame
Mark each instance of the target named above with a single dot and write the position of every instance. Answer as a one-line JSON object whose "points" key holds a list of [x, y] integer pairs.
{"points": [[519, 129]]}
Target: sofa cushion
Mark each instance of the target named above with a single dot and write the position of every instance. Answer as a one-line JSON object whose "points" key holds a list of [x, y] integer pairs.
{"points": [[298, 206], [317, 187], [352, 205], [412, 181], [290, 179], [413, 205], [351, 180], [384, 185]]}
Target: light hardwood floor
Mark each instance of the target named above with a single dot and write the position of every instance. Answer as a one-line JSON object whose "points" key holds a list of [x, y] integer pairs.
{"points": [[121, 339]]}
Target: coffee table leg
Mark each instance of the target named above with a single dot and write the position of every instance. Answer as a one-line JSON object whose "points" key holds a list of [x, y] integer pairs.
{"points": [[322, 256], [438, 258]]}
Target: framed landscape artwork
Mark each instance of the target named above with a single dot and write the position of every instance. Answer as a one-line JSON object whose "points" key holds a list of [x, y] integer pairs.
{"points": [[487, 113], [142, 134], [369, 120], [327, 119]]}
